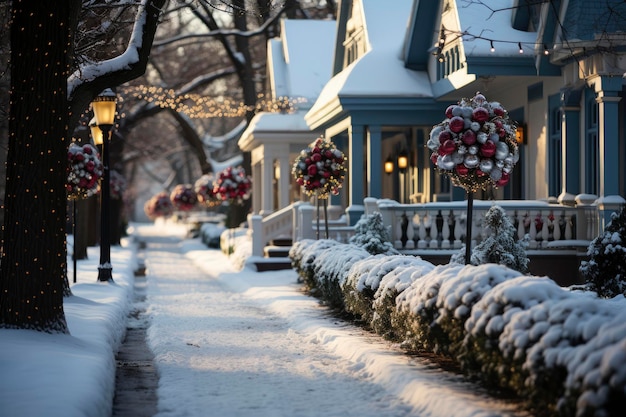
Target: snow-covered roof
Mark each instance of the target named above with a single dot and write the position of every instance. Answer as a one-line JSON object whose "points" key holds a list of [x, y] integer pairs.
{"points": [[275, 126], [491, 20], [299, 65], [301, 60], [381, 70]]}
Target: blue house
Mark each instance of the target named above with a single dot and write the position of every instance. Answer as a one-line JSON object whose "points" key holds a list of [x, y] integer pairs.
{"points": [[557, 67]]}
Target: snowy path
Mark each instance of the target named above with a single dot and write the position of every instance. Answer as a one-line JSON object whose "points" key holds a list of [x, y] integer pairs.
{"points": [[230, 343]]}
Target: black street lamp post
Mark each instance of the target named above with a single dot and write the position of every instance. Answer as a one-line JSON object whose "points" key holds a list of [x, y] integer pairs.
{"points": [[104, 115]]}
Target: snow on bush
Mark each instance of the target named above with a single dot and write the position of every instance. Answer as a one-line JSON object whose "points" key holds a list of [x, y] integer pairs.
{"points": [[371, 234], [391, 285], [441, 302], [364, 278], [330, 269], [605, 271], [596, 380], [481, 354], [416, 309], [541, 340], [302, 254]]}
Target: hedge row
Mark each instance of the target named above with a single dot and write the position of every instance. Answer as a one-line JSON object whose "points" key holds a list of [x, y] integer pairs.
{"points": [[562, 352]]}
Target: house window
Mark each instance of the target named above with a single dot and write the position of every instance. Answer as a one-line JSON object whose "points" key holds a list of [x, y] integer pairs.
{"points": [[555, 159], [592, 145]]}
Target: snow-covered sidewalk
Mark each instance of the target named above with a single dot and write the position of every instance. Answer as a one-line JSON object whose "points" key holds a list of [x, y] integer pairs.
{"points": [[241, 343]]}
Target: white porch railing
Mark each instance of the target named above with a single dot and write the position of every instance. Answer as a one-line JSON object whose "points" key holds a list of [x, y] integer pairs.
{"points": [[441, 226]]}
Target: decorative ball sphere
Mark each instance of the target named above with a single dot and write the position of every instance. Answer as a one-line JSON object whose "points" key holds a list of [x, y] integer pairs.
{"points": [[457, 124], [488, 149], [471, 161], [445, 162], [502, 150], [480, 114], [469, 137], [486, 165]]}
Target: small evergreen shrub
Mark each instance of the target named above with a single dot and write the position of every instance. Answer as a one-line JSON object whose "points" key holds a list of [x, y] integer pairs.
{"points": [[372, 235], [392, 285], [417, 310], [302, 254], [330, 270], [500, 247], [605, 271], [481, 355]]}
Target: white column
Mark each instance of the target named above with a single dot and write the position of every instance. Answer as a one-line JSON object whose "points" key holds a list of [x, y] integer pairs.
{"points": [[284, 185]]}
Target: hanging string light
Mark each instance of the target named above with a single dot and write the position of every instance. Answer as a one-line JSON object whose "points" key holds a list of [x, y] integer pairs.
{"points": [[202, 107]]}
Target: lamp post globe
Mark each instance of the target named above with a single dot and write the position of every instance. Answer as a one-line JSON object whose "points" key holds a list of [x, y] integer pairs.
{"points": [[104, 116]]}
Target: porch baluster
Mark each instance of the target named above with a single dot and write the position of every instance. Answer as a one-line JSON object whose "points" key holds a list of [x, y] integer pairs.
{"points": [[421, 243], [458, 229], [410, 232], [445, 231]]}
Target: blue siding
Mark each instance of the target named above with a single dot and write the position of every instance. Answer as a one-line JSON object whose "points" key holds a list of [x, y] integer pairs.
{"points": [[555, 160]]}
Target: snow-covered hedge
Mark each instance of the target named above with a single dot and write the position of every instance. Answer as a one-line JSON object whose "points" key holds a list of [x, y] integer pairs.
{"points": [[561, 351]]}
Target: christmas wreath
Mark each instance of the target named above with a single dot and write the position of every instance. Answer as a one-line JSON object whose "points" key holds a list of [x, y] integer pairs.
{"points": [[320, 169], [475, 144], [85, 169]]}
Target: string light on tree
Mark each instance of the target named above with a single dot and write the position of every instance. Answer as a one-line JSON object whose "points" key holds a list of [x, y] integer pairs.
{"points": [[202, 107]]}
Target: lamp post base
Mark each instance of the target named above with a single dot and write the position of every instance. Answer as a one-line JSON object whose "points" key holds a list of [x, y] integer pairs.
{"points": [[105, 273]]}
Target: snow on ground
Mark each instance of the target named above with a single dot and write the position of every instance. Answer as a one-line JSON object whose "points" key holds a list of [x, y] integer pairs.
{"points": [[227, 342]]}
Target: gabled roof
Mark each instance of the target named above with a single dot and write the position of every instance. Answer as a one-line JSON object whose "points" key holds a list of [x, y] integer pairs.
{"points": [[380, 72], [300, 61], [299, 65]]}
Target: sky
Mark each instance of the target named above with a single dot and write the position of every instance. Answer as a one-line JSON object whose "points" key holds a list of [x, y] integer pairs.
{"points": [[230, 340]]}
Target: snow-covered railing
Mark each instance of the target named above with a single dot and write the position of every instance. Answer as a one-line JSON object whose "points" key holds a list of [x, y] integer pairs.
{"points": [[264, 229], [438, 226], [441, 226]]}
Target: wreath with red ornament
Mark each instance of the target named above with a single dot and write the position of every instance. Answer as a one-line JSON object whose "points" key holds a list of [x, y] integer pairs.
{"points": [[160, 205], [320, 169], [184, 197], [85, 170], [475, 145], [233, 185]]}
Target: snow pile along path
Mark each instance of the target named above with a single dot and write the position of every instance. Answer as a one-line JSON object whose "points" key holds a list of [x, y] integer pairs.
{"points": [[243, 343]]}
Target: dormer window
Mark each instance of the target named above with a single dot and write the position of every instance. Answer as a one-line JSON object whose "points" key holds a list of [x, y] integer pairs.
{"points": [[354, 45]]}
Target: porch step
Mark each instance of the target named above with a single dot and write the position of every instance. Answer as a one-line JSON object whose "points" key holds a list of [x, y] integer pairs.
{"points": [[276, 251], [272, 264]]}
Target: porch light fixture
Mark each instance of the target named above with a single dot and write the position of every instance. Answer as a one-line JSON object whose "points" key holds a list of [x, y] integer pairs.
{"points": [[521, 50], [403, 160], [389, 165], [520, 135]]}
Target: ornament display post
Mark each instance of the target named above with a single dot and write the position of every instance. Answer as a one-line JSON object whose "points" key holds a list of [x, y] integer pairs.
{"points": [[232, 186], [82, 182], [320, 171], [476, 147], [468, 227]]}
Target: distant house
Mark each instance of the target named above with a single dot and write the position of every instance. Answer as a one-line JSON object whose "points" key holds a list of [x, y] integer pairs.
{"points": [[299, 65], [558, 68]]}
